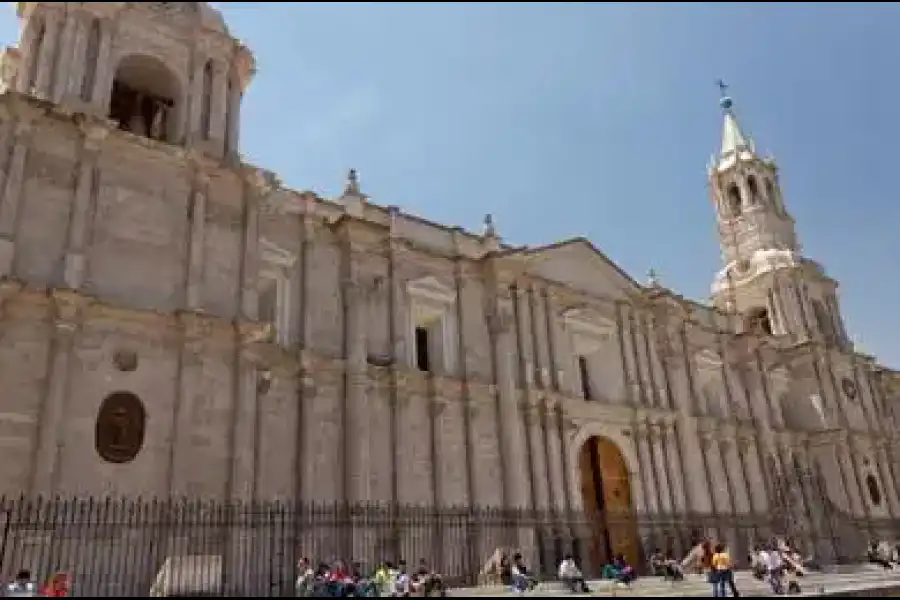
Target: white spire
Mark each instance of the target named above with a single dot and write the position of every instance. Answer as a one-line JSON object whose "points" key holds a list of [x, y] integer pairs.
{"points": [[733, 138], [735, 145]]}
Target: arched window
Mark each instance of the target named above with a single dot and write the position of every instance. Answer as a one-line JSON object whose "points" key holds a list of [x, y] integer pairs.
{"points": [[758, 322], [206, 103], [90, 61], [874, 490], [36, 55], [753, 190], [143, 99], [733, 197], [120, 428]]}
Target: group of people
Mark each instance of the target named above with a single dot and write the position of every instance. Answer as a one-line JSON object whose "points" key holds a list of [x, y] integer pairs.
{"points": [[884, 554], [780, 565], [24, 586], [388, 580]]}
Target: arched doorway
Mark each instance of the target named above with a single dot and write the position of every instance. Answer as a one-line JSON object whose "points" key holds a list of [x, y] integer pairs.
{"points": [[606, 497]]}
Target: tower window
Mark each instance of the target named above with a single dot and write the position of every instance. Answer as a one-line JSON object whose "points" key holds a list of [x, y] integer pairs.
{"points": [[733, 197], [143, 98], [758, 322], [585, 375], [753, 190], [423, 359]]}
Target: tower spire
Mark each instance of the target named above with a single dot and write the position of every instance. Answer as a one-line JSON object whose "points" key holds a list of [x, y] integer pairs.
{"points": [[733, 139]]}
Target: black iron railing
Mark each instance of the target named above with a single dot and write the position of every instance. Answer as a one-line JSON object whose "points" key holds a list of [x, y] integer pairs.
{"points": [[135, 547]]}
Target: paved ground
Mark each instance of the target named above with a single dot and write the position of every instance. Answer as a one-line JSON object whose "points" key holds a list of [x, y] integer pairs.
{"points": [[851, 581]]}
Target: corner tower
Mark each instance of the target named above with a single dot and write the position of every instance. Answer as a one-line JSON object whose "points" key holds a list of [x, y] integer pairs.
{"points": [[766, 279], [170, 71]]}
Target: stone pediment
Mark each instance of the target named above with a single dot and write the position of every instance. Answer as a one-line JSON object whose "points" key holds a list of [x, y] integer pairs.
{"points": [[708, 359], [577, 263], [431, 288], [274, 257], [587, 321]]}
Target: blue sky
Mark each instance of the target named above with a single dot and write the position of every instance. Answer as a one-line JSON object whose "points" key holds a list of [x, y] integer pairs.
{"points": [[593, 119]]}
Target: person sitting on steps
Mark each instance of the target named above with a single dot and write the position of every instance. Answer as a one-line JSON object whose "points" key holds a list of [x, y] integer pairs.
{"points": [[570, 575]]}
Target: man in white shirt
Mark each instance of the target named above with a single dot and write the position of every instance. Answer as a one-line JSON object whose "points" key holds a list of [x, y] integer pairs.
{"points": [[775, 567], [570, 575]]}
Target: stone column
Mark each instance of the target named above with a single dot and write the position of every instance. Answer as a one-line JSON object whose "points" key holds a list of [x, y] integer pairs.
{"points": [[30, 52], [532, 412], [890, 488], [217, 106], [542, 345], [655, 433], [103, 71], [195, 331], [59, 83], [245, 414], [66, 307], [233, 130], [718, 477], [855, 464], [47, 53], [258, 187], [356, 409], [192, 114], [645, 459], [12, 195], [675, 467], [197, 239], [626, 324], [561, 367], [81, 215], [755, 474], [851, 488], [513, 428], [73, 75], [735, 468]]}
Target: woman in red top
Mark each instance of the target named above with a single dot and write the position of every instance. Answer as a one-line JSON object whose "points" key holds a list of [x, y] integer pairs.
{"points": [[57, 587]]}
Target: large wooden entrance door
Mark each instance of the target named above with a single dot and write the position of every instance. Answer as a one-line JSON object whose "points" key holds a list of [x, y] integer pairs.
{"points": [[606, 496]]}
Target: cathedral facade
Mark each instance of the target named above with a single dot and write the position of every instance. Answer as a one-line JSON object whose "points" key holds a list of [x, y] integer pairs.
{"points": [[173, 321]]}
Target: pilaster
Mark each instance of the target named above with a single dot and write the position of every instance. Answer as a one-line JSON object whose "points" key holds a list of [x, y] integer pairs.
{"points": [[12, 196], [67, 308], [82, 207]]}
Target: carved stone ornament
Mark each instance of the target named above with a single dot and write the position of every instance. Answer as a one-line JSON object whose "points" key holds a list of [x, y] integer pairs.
{"points": [[849, 388], [120, 428]]}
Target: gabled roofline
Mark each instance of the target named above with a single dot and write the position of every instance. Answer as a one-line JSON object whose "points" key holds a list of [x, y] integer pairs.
{"points": [[531, 251]]}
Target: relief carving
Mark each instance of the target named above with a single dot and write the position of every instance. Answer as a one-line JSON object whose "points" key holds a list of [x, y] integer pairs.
{"points": [[120, 428]]}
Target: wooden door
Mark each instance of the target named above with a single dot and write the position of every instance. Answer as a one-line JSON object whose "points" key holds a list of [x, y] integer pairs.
{"points": [[617, 501]]}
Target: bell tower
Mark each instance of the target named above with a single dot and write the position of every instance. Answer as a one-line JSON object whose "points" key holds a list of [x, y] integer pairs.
{"points": [[766, 279], [168, 71]]}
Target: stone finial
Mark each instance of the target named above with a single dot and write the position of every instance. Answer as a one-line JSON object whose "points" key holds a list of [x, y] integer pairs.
{"points": [[352, 188], [489, 230]]}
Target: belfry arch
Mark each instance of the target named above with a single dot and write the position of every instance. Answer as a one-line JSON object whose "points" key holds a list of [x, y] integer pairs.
{"points": [[608, 501], [146, 98]]}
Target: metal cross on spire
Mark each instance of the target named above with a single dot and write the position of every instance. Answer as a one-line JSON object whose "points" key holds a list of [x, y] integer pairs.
{"points": [[723, 87]]}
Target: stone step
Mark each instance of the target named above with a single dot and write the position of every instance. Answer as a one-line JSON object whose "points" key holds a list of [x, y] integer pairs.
{"points": [[695, 585]]}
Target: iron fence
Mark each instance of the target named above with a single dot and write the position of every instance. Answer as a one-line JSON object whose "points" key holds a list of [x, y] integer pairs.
{"points": [[138, 547]]}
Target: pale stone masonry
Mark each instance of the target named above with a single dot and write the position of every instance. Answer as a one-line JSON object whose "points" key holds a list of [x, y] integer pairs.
{"points": [[281, 339]]}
